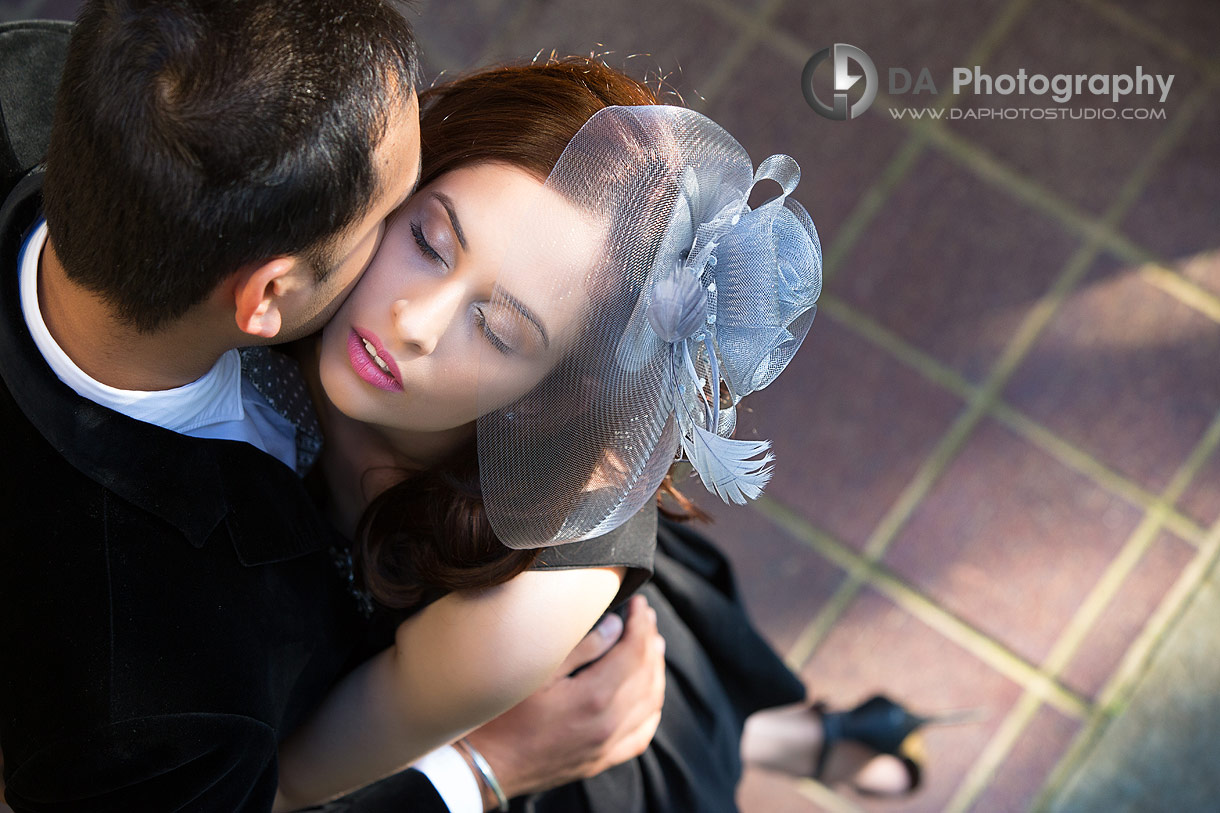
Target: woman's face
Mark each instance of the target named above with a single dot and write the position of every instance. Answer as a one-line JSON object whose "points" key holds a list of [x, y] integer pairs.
{"points": [[477, 287]]}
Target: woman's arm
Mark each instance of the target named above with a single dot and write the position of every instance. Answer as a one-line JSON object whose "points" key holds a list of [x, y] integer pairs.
{"points": [[457, 664]]}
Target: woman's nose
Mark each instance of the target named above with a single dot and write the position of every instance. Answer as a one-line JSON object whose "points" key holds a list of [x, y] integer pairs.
{"points": [[422, 319]]}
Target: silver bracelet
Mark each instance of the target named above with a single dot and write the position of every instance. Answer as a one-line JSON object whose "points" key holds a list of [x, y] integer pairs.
{"points": [[488, 775]]}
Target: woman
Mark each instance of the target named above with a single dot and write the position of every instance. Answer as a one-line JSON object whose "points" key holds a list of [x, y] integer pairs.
{"points": [[477, 310]]}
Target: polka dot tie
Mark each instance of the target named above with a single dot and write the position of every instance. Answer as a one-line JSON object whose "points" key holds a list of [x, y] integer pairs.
{"points": [[278, 379]]}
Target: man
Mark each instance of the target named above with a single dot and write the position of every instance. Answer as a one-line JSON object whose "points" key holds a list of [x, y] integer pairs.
{"points": [[217, 177]]}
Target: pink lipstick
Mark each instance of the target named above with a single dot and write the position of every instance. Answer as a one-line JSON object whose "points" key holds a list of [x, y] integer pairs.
{"points": [[371, 361]]}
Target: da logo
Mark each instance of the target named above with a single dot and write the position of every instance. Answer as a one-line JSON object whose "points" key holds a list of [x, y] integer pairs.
{"points": [[842, 54]]}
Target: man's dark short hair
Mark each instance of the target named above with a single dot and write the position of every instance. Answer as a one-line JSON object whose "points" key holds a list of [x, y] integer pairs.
{"points": [[192, 137]]}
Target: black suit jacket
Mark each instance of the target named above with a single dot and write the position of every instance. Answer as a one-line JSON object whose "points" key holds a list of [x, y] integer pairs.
{"points": [[169, 609]]}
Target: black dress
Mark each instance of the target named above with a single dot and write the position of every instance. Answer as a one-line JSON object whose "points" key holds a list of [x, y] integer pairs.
{"points": [[719, 670]]}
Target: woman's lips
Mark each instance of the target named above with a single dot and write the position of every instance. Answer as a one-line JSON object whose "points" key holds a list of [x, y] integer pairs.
{"points": [[366, 367]]}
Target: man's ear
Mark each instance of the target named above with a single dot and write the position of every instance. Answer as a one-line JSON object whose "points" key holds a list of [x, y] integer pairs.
{"points": [[257, 295]]}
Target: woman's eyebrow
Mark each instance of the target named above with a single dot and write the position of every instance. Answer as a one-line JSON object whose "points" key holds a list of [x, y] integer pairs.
{"points": [[519, 307], [453, 218]]}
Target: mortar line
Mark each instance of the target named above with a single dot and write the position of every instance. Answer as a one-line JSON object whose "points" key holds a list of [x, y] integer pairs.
{"points": [[1174, 131], [1163, 273], [996, 32], [992, 170], [1024, 338], [1157, 270], [1096, 234], [1182, 289], [825, 798], [879, 191], [1027, 428], [816, 631], [907, 354], [1103, 592], [916, 143]]}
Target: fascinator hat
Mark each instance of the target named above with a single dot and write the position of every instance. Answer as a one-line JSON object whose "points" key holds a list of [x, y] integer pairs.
{"points": [[687, 301]]}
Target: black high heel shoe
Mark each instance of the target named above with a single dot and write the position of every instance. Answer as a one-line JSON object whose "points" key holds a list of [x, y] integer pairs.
{"points": [[884, 726]]}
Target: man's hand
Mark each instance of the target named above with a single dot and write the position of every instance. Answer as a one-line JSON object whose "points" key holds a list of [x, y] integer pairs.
{"points": [[576, 727]]}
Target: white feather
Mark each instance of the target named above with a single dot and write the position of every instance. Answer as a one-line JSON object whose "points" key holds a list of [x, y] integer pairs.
{"points": [[725, 465]]}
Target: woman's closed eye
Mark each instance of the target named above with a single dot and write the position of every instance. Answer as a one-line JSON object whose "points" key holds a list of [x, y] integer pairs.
{"points": [[425, 248], [480, 316]]}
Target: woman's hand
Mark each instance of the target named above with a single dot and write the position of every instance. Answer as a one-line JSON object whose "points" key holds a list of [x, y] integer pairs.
{"points": [[577, 726]]}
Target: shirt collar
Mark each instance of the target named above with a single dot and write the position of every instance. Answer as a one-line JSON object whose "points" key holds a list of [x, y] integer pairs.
{"points": [[193, 484], [213, 398]]}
